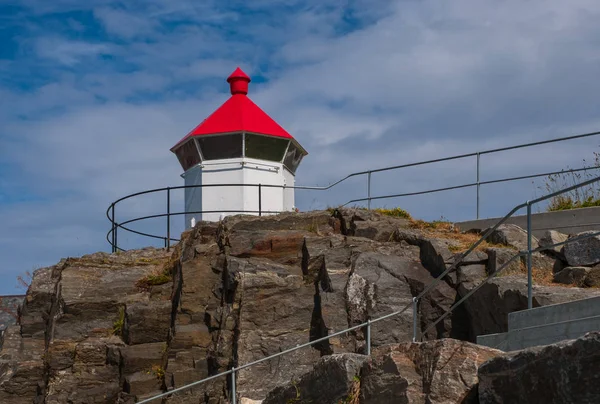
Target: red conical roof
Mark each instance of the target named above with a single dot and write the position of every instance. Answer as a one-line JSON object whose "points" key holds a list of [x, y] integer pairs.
{"points": [[238, 114]]}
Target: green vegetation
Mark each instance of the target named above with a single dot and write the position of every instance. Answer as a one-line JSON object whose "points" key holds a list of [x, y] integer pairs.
{"points": [[394, 212], [158, 371], [441, 224], [159, 276], [565, 203], [584, 197], [119, 322], [297, 398], [156, 279], [313, 227], [354, 394]]}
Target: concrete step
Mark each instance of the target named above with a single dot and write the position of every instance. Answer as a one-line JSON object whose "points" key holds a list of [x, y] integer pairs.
{"points": [[554, 313], [522, 338], [497, 341]]}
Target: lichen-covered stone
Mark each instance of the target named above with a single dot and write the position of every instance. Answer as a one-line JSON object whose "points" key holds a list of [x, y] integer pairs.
{"points": [[572, 275], [585, 252], [432, 372], [511, 235], [332, 380], [552, 237], [565, 373]]}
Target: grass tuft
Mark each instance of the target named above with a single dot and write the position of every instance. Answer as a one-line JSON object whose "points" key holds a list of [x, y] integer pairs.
{"points": [[446, 230], [162, 274], [583, 197], [394, 212], [158, 371], [119, 322]]}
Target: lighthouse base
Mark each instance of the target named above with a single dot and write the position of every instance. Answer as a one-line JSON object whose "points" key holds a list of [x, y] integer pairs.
{"points": [[237, 186]]}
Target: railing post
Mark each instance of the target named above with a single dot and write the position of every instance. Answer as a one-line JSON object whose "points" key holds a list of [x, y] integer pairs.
{"points": [[114, 249], [233, 393], [369, 191], [478, 184], [529, 269], [259, 199], [415, 317], [369, 336], [168, 243], [115, 233]]}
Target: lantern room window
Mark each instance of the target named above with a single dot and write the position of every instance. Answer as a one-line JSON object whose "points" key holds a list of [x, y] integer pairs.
{"points": [[188, 155], [265, 147], [292, 159], [221, 146]]}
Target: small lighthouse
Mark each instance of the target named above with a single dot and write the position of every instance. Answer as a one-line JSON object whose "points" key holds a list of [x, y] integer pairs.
{"points": [[230, 153]]}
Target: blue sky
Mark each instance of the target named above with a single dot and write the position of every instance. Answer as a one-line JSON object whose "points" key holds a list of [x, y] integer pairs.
{"points": [[93, 94]]}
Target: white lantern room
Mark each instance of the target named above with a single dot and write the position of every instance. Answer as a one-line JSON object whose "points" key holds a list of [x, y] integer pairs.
{"points": [[230, 153]]}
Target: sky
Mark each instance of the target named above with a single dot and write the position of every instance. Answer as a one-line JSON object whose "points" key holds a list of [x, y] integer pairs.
{"points": [[94, 94]]}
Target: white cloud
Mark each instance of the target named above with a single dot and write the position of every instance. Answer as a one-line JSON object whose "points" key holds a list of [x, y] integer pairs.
{"points": [[125, 24], [68, 52], [413, 81]]}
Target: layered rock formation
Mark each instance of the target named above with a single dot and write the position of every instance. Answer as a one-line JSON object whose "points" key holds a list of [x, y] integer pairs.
{"points": [[451, 371], [9, 310], [563, 373], [442, 371], [108, 328]]}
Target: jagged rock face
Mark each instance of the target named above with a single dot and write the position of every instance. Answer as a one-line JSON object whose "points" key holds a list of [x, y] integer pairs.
{"points": [[442, 371], [334, 379], [489, 306], [109, 328], [434, 372], [323, 283], [65, 348], [9, 307], [511, 235], [584, 252], [563, 373], [572, 275], [368, 224], [552, 237], [21, 367]]}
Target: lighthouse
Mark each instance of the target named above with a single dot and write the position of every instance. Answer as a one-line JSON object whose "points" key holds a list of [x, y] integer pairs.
{"points": [[238, 160]]}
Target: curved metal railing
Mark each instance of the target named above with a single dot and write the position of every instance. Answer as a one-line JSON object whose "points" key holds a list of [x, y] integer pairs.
{"points": [[415, 301], [112, 235]]}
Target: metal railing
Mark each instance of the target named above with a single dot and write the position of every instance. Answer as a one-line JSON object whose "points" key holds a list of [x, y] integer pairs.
{"points": [[112, 235], [415, 301]]}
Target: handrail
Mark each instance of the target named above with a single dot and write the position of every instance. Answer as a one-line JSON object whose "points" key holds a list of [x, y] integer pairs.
{"points": [[416, 299], [115, 225], [473, 184], [167, 240], [517, 255]]}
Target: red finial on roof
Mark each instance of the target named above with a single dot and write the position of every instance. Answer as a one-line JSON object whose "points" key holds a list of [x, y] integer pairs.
{"points": [[238, 82]]}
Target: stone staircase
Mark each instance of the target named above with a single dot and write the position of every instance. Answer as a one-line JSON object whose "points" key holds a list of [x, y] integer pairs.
{"points": [[546, 325]]}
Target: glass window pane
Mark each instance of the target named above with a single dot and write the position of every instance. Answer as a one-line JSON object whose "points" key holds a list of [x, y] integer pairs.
{"points": [[188, 155], [265, 148], [221, 146], [292, 158]]}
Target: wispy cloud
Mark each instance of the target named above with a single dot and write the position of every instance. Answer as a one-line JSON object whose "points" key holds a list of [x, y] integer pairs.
{"points": [[68, 52], [93, 95]]}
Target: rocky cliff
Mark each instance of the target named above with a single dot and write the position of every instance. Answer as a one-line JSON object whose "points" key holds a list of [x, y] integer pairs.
{"points": [[108, 328], [9, 307]]}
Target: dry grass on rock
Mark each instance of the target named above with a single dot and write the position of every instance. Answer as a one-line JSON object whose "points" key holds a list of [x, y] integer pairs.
{"points": [[447, 230]]}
